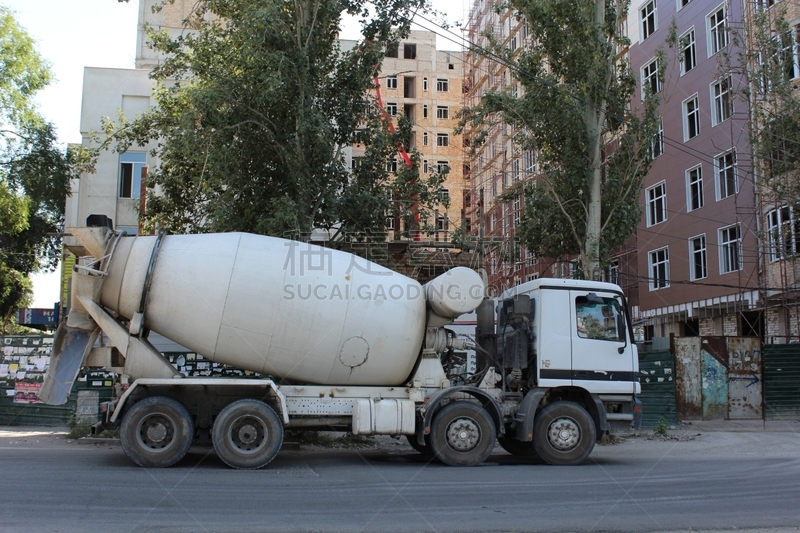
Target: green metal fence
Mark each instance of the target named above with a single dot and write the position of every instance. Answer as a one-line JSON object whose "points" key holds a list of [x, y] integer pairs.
{"points": [[657, 377], [782, 381]]}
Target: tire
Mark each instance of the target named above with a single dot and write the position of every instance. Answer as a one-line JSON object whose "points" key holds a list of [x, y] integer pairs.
{"points": [[518, 448], [564, 434], [156, 432], [462, 434], [247, 434], [424, 449]]}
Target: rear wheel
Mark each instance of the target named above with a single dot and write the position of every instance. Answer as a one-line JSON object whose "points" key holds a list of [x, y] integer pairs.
{"points": [[462, 434], [564, 434], [247, 434], [156, 432]]}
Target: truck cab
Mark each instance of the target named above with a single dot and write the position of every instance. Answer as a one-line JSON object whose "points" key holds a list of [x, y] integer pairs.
{"points": [[566, 347]]}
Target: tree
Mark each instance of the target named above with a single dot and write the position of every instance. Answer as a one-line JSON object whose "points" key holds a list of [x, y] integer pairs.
{"points": [[593, 149], [254, 110], [34, 171]]}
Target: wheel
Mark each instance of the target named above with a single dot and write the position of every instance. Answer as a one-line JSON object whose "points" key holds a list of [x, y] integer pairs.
{"points": [[424, 449], [564, 434], [156, 432], [462, 434], [518, 448], [247, 434]]}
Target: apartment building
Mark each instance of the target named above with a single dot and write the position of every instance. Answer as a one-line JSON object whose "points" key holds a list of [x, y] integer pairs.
{"points": [[425, 85], [497, 166], [698, 238]]}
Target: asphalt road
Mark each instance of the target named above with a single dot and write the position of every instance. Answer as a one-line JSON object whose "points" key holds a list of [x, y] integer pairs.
{"points": [[710, 481]]}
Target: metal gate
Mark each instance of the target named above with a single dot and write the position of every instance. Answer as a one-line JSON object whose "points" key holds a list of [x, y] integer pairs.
{"points": [[782, 381], [718, 377], [745, 395]]}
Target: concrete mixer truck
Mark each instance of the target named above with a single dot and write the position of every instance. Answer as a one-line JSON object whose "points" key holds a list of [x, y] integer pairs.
{"points": [[341, 343]]}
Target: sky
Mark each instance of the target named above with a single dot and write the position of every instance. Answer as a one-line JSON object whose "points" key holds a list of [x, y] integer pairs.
{"points": [[72, 35]]}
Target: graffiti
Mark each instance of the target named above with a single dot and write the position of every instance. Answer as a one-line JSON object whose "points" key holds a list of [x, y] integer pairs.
{"points": [[745, 360], [751, 379]]}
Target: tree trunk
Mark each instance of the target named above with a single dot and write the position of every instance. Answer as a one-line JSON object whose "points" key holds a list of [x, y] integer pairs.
{"points": [[590, 255]]}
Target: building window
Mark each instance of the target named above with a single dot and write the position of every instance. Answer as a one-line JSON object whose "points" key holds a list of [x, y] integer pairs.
{"points": [[391, 108], [612, 272], [391, 82], [659, 268], [698, 257], [515, 171], [442, 111], [721, 96], [391, 49], [783, 233], [683, 3], [657, 146], [425, 83], [694, 188], [688, 49], [529, 161], [444, 195], [409, 51], [132, 165], [656, 204], [442, 85], [786, 58], [730, 249], [725, 169], [442, 139], [442, 224], [442, 166], [424, 138], [391, 166], [691, 118], [424, 166], [650, 78], [424, 110], [647, 14], [717, 31]]}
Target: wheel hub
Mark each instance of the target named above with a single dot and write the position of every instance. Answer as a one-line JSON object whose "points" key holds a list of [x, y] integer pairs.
{"points": [[564, 434], [156, 432], [463, 434], [247, 434]]}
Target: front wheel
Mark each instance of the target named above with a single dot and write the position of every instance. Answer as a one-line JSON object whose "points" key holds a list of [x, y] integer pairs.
{"points": [[247, 434], [462, 434], [156, 432], [564, 434]]}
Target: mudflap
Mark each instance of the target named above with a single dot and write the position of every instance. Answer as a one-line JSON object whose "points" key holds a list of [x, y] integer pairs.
{"points": [[70, 347]]}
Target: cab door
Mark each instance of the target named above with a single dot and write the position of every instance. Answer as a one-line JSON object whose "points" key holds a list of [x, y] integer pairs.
{"points": [[602, 355]]}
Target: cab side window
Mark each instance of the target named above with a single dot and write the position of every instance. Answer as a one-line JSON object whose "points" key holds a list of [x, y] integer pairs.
{"points": [[599, 318]]}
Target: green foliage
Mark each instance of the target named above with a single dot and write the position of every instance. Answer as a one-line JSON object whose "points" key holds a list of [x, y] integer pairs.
{"points": [[254, 111], [593, 150], [34, 171], [661, 428]]}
